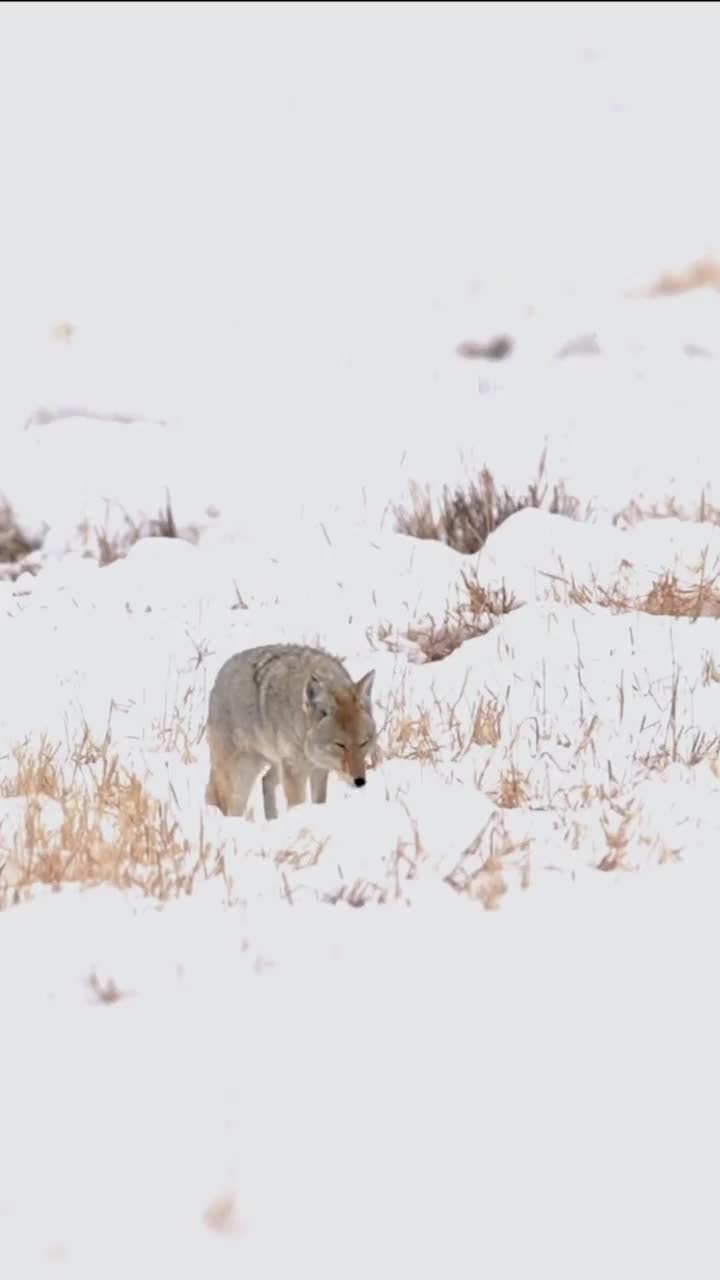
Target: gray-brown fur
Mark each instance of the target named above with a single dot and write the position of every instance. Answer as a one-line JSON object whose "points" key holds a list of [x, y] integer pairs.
{"points": [[292, 714]]}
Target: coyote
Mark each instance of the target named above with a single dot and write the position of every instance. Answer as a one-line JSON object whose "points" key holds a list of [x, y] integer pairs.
{"points": [[292, 714]]}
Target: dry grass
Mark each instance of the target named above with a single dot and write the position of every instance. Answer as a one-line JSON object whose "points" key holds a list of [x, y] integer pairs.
{"points": [[15, 545], [704, 273], [410, 737], [498, 348], [488, 886], [617, 838], [475, 612], [109, 830], [438, 730], [688, 746], [666, 598], [18, 550], [112, 548], [490, 864], [487, 724], [64, 331], [466, 516], [513, 790], [701, 512]]}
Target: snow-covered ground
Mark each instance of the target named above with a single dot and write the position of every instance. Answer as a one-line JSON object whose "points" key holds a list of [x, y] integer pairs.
{"points": [[459, 1022]]}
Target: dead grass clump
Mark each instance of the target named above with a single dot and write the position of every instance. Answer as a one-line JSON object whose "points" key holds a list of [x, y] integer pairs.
{"points": [[15, 545], [361, 892], [64, 331], [488, 885], [617, 838], [513, 790], [689, 747], [106, 992], [704, 273], [438, 728], [490, 866], [412, 737], [702, 512], [494, 349], [115, 547], [587, 596], [487, 725], [666, 597], [468, 515], [474, 614], [111, 831]]}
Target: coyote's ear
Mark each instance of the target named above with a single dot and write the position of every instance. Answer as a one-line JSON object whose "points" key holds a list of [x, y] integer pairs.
{"points": [[316, 699], [365, 687]]}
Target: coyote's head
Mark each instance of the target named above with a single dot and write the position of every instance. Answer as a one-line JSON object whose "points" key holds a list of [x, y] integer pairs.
{"points": [[340, 727]]}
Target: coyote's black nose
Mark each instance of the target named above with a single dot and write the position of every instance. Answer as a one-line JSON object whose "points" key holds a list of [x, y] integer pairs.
{"points": [[359, 782]]}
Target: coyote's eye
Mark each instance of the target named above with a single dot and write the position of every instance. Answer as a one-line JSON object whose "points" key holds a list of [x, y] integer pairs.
{"points": [[362, 746], [340, 745]]}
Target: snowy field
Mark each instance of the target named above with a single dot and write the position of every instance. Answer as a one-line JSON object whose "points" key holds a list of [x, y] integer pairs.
{"points": [[457, 1023]]}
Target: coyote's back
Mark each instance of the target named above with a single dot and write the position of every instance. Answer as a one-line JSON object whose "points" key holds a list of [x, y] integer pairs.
{"points": [[291, 713]]}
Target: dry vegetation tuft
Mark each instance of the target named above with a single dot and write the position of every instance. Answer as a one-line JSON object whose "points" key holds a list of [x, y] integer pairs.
{"points": [[487, 724], [115, 547], [701, 512], [704, 273], [16, 546], [617, 839], [666, 598], [466, 516], [475, 612], [513, 790], [442, 730], [491, 865], [107, 828], [488, 886]]}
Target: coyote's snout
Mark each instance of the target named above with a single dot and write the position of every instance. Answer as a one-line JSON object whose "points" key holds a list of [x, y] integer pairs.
{"points": [[292, 714]]}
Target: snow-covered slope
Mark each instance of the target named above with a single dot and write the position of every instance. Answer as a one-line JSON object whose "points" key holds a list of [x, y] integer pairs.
{"points": [[461, 1021]]}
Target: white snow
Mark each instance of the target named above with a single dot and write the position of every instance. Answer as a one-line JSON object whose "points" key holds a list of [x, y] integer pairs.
{"points": [[459, 1022]]}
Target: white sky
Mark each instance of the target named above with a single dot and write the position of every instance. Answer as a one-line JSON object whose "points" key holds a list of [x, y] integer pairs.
{"points": [[309, 157]]}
